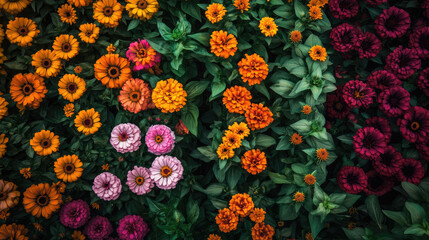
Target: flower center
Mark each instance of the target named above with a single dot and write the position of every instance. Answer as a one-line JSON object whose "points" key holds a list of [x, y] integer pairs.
{"points": [[42, 200], [108, 11], [23, 31], [88, 33], [142, 4], [232, 140], [139, 180], [69, 168], [142, 53], [158, 139], [3, 196], [352, 179], [123, 137], [46, 143], [339, 106], [135, 96], [87, 122], [68, 14], [27, 89], [359, 94], [408, 171], [66, 47], [72, 87], [46, 63], [113, 72], [415, 126], [165, 171]]}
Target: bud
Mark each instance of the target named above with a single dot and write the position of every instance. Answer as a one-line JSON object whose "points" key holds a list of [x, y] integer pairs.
{"points": [[181, 128]]}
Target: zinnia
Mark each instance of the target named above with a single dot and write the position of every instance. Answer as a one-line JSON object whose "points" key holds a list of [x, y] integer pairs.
{"points": [[75, 214], [411, 170], [98, 228], [9, 195], [423, 81], [160, 139], [22, 31], [253, 69], [392, 23], [112, 70], [241, 204], [226, 220], [419, 41], [139, 181], [28, 89], [369, 143], [166, 171], [142, 9], [268, 27], [107, 186], [352, 179], [262, 231], [344, 37], [343, 9], [132, 227], [223, 44], [237, 99], [382, 125], [169, 96], [136, 96], [403, 62], [378, 185], [215, 12], [258, 116], [336, 107], [368, 45], [254, 161], [388, 163], [382, 79], [142, 55], [356, 93], [126, 137], [108, 12], [414, 125], [394, 102]]}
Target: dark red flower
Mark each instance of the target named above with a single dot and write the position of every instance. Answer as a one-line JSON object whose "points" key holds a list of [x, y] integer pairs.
{"points": [[425, 7], [423, 81], [414, 125], [378, 185], [403, 62], [419, 40], [343, 9], [394, 102], [382, 79], [392, 23], [338, 72], [382, 125], [352, 179], [356, 93], [423, 148], [388, 163], [411, 171], [368, 45], [375, 2], [369, 143], [336, 107], [344, 37]]}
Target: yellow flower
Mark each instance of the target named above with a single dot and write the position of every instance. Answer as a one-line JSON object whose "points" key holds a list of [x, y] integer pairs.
{"points": [[67, 14], [240, 128], [224, 151], [215, 12], [87, 121], [22, 31], [318, 53], [315, 13], [47, 63], [89, 32], [268, 26], [232, 139], [142, 9], [45, 142], [108, 12], [66, 46], [169, 96], [69, 109], [242, 5]]}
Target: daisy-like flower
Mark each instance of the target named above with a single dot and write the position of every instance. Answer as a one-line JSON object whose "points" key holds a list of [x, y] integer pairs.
{"points": [[66, 46], [315, 13], [67, 14], [310, 179], [368, 45], [318, 53], [75, 214], [71, 87], [369, 143], [3, 107], [89, 32], [322, 154], [68, 168], [233, 140], [112, 70], [9, 195], [14, 6], [87, 121], [414, 126], [47, 63], [136, 96], [295, 36], [240, 128], [126, 137], [28, 90], [132, 227], [80, 3], [268, 27], [344, 37], [296, 139], [160, 139], [215, 12], [98, 228], [45, 142], [356, 93], [142, 9], [166, 171], [139, 181], [78, 69], [108, 12], [298, 197], [107, 186], [142, 55], [41, 200], [22, 31], [69, 109], [352, 179], [254, 161], [224, 151]]}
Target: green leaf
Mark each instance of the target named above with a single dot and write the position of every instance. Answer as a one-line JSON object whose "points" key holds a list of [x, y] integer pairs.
{"points": [[203, 38], [217, 88], [208, 152], [374, 210], [133, 24], [296, 66], [316, 224], [300, 168], [417, 212], [192, 210], [262, 89], [232, 176], [278, 178], [282, 87], [398, 217], [300, 9], [313, 40], [264, 140], [413, 191], [354, 234], [196, 88], [215, 189], [302, 126], [219, 204], [190, 118], [416, 230]]}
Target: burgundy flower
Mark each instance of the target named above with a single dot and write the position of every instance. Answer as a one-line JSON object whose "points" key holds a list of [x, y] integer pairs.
{"points": [[343, 9], [388, 163], [394, 102], [375, 2], [336, 107], [352, 179], [368, 45], [369, 143], [382, 79], [98, 228], [411, 171], [75, 214], [378, 185], [423, 148], [425, 7], [419, 40], [392, 23], [132, 227], [414, 125], [344, 37], [356, 93], [338, 72], [403, 62], [382, 125], [423, 81]]}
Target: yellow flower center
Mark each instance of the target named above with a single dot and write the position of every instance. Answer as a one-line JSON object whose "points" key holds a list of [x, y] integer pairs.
{"points": [[27, 89], [166, 171], [158, 139], [142, 4], [139, 180], [415, 126], [69, 168], [45, 143]]}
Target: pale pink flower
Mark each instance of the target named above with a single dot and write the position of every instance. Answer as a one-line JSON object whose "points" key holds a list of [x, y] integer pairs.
{"points": [[160, 139], [139, 180], [107, 186], [126, 137], [166, 171]]}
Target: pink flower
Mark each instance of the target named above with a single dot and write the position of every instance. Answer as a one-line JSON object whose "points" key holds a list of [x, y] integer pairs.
{"points": [[132, 227], [107, 186], [160, 139], [166, 171], [139, 180], [126, 138], [142, 55]]}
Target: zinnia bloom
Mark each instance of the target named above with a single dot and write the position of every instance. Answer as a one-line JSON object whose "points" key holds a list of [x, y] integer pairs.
{"points": [[21, 31], [423, 81], [45, 142], [310, 179], [242, 5], [77, 235], [169, 95], [224, 151], [41, 200], [388, 163], [392, 23], [322, 154], [240, 128], [28, 89], [343, 9], [126, 137], [318, 53], [214, 237], [352, 180], [67, 14], [215, 12], [3, 108], [356, 93], [254, 161], [295, 36], [26, 172], [59, 186], [71, 87], [253, 69], [132, 227], [296, 139], [9, 195], [111, 48], [315, 13], [47, 64], [107, 186], [423, 148], [3, 141], [139, 181], [268, 26], [68, 168], [414, 125], [375, 2], [262, 231], [223, 44], [419, 41], [87, 121], [378, 185], [69, 109], [166, 171], [89, 32], [369, 143], [78, 69], [258, 116], [237, 99], [75, 214], [79, 3], [142, 9], [368, 45], [226, 220], [98, 228], [411, 170], [394, 102], [382, 125], [108, 12], [233, 140], [403, 62], [13, 231], [344, 37], [241, 204], [306, 109], [112, 70], [14, 6], [66, 46], [160, 139], [298, 197], [257, 215], [136, 96], [382, 79], [142, 55], [336, 107]]}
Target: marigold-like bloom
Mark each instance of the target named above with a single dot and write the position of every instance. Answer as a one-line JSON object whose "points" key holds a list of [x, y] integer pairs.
{"points": [[240, 128], [87, 121], [79, 3], [89, 32], [242, 5], [71, 87], [4, 215], [78, 69], [95, 205], [14, 6], [169, 96], [296, 139], [142, 9], [262, 232], [306, 109], [317, 3], [112, 70], [13, 231], [45, 142], [66, 46], [241, 204], [108, 12], [224, 151], [215, 12], [298, 197], [67, 14], [226, 220], [111, 48], [68, 168], [142, 55], [268, 26], [22, 31], [253, 69], [9, 195], [310, 179], [232, 139], [315, 13], [318, 53], [3, 107], [59, 186], [77, 235], [28, 90], [41, 200], [322, 154], [295, 36], [105, 167], [237, 99], [69, 109], [258, 116], [26, 172], [214, 237], [257, 215], [254, 161], [136, 96], [3, 141], [223, 44], [47, 63]]}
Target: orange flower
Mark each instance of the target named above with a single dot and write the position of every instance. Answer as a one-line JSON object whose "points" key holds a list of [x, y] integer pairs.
{"points": [[47, 64], [226, 220], [232, 139], [14, 6], [241, 204], [258, 116], [26, 172], [45, 142], [95, 205], [257, 215], [241, 129], [224, 151], [88, 121], [59, 186], [28, 90], [13, 231], [322, 154], [3, 141], [78, 69], [68, 168], [3, 107], [223, 44], [169, 95], [9, 195], [296, 139], [80, 3], [67, 14], [242, 5], [69, 109], [4, 215], [71, 87], [136, 96], [295, 36], [66, 46], [78, 235], [317, 3], [268, 26], [105, 167], [215, 12], [108, 12], [318, 53], [41, 200], [310, 179], [38, 227], [214, 237], [262, 232], [315, 13], [309, 236], [306, 109], [111, 48], [253, 69], [298, 197], [237, 99], [112, 70], [254, 161], [89, 32], [22, 31]]}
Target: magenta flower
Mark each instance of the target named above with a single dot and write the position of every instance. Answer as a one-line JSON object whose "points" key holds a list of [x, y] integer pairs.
{"points": [[343, 9], [382, 125], [375, 2], [414, 125], [356, 93], [388, 163], [403, 62], [107, 186], [378, 185], [423, 148], [392, 23], [166, 171], [160, 139], [139, 180], [142, 55], [423, 81], [132, 227], [368, 45], [394, 102], [98, 228], [344, 37], [336, 107], [352, 179], [126, 137], [382, 79], [75, 214], [425, 7], [419, 41], [369, 143], [411, 170]]}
